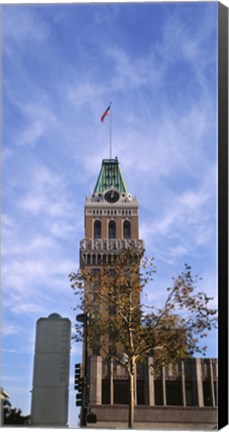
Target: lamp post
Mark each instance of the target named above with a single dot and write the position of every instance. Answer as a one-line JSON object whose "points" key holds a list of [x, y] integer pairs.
{"points": [[83, 318]]}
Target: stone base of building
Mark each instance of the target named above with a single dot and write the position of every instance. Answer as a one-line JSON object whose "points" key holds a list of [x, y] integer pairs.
{"points": [[156, 418]]}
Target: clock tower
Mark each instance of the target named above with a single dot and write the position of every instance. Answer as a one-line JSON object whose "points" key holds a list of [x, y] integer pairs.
{"points": [[111, 226], [111, 218]]}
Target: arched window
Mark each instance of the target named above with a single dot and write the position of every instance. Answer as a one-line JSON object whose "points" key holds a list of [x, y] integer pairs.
{"points": [[112, 229], [97, 229], [126, 230]]}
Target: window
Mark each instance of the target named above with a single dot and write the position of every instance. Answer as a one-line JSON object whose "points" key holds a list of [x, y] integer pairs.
{"points": [[140, 392], [96, 349], [126, 230], [112, 342], [174, 393], [190, 368], [207, 393], [205, 368], [191, 393], [158, 392], [112, 309], [97, 229], [121, 392], [112, 230], [106, 392]]}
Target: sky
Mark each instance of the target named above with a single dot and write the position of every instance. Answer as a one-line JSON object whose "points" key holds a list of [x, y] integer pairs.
{"points": [[62, 65]]}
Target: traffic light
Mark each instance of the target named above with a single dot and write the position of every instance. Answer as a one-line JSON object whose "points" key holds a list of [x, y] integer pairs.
{"points": [[79, 399], [78, 370], [78, 378], [78, 384]]}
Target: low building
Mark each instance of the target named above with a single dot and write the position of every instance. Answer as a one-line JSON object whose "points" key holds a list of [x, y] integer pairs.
{"points": [[184, 397], [3, 397]]}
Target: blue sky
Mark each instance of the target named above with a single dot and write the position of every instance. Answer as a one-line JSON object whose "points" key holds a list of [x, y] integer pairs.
{"points": [[62, 65]]}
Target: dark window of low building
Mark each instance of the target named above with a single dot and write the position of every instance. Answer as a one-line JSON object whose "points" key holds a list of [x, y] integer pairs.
{"points": [[158, 392], [106, 398], [121, 392], [140, 392], [207, 393], [205, 368], [174, 393], [191, 393]]}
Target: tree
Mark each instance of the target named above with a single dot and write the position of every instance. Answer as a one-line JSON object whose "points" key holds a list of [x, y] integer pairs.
{"points": [[13, 416], [124, 327]]}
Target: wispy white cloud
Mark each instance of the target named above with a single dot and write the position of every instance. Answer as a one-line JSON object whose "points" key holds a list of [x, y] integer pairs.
{"points": [[23, 27], [27, 307], [35, 244], [39, 119], [46, 193], [10, 329]]}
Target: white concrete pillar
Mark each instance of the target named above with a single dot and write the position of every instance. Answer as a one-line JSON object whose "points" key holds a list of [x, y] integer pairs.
{"points": [[199, 382], [164, 386], [150, 377]]}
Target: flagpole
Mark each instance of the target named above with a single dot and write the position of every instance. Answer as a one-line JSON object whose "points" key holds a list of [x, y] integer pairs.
{"points": [[106, 112], [110, 133]]}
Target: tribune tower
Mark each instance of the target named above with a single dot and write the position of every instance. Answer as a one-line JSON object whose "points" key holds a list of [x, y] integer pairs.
{"points": [[180, 398], [111, 226]]}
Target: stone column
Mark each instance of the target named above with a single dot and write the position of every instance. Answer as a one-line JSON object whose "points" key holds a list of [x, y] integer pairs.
{"points": [[95, 380], [199, 382], [183, 383], [164, 387], [212, 382], [150, 377], [112, 381]]}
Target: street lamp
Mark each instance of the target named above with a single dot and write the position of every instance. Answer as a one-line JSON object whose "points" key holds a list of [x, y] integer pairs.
{"points": [[86, 415], [83, 318]]}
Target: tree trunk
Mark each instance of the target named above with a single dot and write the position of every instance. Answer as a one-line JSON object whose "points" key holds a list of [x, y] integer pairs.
{"points": [[132, 399]]}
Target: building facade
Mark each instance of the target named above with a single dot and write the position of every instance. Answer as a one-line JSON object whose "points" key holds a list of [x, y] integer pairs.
{"points": [[180, 398]]}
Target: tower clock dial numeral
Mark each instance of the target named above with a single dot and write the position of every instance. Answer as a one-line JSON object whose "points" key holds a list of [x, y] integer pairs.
{"points": [[112, 196]]}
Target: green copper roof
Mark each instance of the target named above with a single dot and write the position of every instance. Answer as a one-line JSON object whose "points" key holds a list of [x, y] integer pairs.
{"points": [[110, 175]]}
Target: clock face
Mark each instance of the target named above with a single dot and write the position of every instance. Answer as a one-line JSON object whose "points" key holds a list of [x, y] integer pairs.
{"points": [[112, 196]]}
